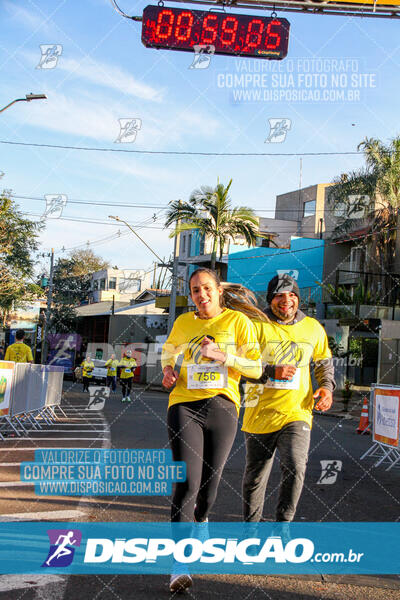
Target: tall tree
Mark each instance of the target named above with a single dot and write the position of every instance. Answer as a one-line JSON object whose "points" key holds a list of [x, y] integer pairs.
{"points": [[71, 279], [209, 210], [372, 191], [18, 242]]}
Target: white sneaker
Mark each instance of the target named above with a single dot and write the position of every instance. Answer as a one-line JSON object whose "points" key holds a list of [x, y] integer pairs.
{"points": [[128, 399], [123, 399], [180, 579]]}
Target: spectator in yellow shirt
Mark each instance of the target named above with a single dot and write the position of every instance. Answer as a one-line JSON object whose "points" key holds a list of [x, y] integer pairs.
{"points": [[19, 352]]}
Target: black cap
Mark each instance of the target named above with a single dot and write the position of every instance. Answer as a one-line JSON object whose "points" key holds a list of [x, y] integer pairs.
{"points": [[282, 283]]}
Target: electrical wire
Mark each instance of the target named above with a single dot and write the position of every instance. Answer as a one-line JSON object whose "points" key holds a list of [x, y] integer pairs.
{"points": [[179, 153], [125, 205]]}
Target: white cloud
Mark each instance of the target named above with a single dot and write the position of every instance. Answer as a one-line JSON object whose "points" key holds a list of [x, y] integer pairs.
{"points": [[110, 76], [102, 74], [30, 20], [81, 116]]}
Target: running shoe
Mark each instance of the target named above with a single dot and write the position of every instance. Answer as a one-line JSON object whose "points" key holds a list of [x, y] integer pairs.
{"points": [[180, 579]]}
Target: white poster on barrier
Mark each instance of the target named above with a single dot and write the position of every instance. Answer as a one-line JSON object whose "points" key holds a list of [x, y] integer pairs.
{"points": [[386, 416], [6, 382]]}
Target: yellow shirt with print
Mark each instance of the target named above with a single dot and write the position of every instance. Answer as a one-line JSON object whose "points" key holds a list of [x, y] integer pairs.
{"points": [[87, 368], [127, 367], [112, 367], [234, 333], [19, 353], [271, 406]]}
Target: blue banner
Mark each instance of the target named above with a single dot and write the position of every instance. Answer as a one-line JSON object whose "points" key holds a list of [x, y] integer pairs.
{"points": [[103, 472], [247, 548]]}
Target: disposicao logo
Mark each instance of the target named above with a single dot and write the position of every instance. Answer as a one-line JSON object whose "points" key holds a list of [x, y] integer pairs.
{"points": [[190, 550], [62, 547]]}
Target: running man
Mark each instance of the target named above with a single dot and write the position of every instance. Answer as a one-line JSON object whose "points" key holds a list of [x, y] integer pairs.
{"points": [[62, 549], [278, 407]]}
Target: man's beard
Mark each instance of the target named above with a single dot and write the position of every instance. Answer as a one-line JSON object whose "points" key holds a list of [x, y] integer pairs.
{"points": [[284, 316]]}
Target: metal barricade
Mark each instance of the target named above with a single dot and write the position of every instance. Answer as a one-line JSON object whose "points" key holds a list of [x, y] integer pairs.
{"points": [[35, 392], [385, 409]]}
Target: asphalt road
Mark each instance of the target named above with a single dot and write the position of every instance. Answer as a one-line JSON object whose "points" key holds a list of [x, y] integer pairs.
{"points": [[361, 493]]}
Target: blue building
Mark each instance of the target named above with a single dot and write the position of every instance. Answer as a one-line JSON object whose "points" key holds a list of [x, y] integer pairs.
{"points": [[254, 267]]}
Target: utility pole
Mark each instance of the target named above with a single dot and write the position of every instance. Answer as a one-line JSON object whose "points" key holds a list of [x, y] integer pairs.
{"points": [[174, 283], [48, 309]]}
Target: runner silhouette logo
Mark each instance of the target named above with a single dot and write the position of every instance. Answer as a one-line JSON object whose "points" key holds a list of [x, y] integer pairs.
{"points": [[62, 547]]}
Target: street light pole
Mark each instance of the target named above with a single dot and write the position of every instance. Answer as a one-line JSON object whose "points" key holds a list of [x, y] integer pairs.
{"points": [[172, 303], [27, 98], [48, 309], [137, 235]]}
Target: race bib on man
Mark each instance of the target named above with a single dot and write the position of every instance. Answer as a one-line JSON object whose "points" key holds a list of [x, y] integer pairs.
{"points": [[127, 370], [207, 377], [285, 384]]}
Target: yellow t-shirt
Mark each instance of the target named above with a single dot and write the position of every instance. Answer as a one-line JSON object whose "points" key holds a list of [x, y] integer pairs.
{"points": [[234, 333], [112, 367], [271, 406], [127, 367], [88, 367], [19, 352]]}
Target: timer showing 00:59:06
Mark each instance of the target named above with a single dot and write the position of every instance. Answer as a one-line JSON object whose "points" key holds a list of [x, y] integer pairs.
{"points": [[237, 35]]}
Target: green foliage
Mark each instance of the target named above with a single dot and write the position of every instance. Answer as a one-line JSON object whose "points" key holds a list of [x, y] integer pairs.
{"points": [[18, 240], [336, 349], [359, 295], [380, 180], [209, 210], [71, 286]]}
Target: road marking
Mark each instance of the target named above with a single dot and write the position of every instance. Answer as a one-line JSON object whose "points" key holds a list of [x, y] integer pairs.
{"points": [[15, 582], [63, 431], [32, 448], [57, 438], [15, 483], [49, 515]]}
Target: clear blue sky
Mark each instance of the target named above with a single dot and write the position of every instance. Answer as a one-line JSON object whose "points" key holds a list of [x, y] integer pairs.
{"points": [[104, 74]]}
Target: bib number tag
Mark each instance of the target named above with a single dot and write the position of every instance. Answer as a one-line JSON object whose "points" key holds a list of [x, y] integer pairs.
{"points": [[127, 370], [206, 377], [285, 384]]}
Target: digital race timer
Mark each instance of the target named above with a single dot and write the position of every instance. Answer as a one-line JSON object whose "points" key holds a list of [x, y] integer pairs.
{"points": [[238, 35]]}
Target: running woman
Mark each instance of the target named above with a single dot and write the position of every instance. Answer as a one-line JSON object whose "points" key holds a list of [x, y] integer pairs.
{"points": [[218, 346], [87, 372], [127, 365], [112, 366]]}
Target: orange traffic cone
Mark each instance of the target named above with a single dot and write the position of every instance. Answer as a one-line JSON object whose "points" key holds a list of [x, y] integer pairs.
{"points": [[364, 419]]}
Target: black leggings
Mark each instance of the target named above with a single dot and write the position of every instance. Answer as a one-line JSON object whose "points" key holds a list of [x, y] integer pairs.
{"points": [[126, 385], [201, 433]]}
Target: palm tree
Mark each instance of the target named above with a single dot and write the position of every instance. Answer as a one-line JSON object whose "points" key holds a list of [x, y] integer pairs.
{"points": [[209, 210], [379, 181]]}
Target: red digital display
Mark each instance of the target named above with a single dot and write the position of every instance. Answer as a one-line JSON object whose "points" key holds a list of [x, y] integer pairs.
{"points": [[237, 35]]}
